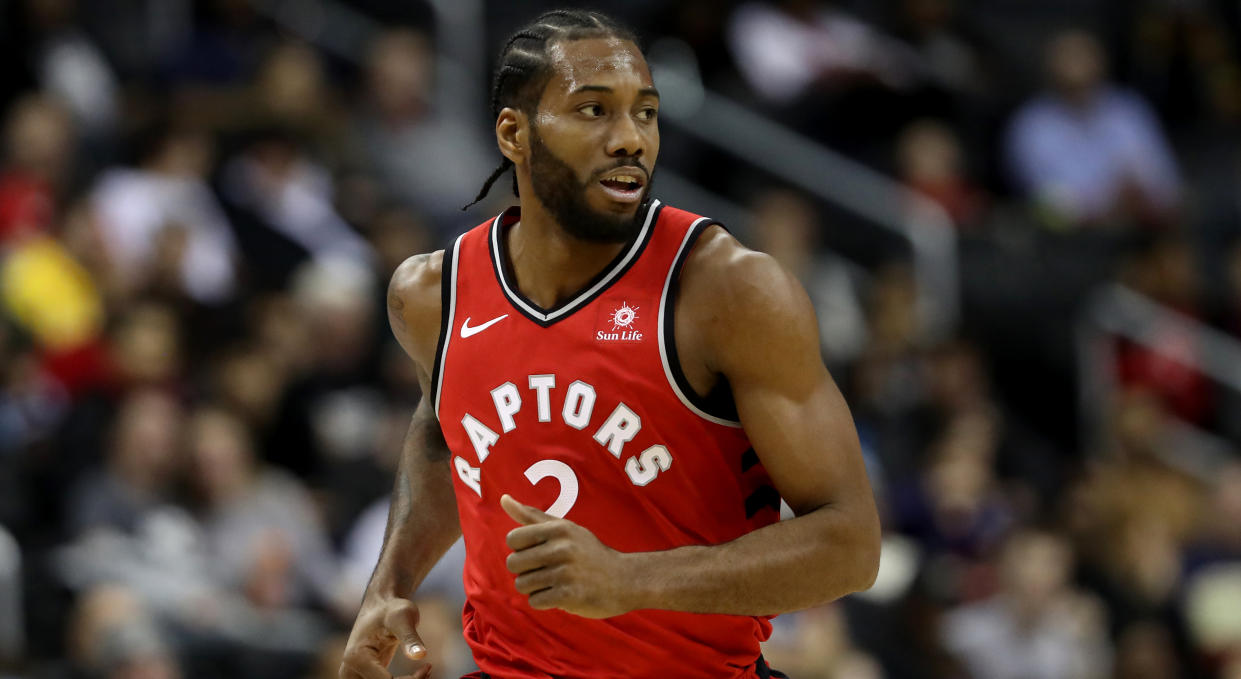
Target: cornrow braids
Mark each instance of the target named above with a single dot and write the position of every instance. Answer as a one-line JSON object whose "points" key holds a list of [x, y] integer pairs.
{"points": [[524, 67]]}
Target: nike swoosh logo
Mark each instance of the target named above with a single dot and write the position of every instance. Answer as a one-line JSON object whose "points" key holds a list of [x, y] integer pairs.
{"points": [[467, 331]]}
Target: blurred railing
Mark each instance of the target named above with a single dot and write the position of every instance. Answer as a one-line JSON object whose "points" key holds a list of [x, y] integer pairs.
{"points": [[1117, 311]]}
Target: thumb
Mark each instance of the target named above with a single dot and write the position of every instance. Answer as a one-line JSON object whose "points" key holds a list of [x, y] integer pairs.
{"points": [[523, 514], [402, 621]]}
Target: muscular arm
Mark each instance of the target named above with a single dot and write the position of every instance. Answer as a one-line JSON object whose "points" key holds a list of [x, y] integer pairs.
{"points": [[422, 519], [750, 322]]}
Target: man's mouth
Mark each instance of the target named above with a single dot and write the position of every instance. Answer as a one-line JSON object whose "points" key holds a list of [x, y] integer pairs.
{"points": [[624, 184]]}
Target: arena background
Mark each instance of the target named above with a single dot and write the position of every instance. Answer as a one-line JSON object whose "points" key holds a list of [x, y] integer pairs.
{"points": [[1018, 219]]}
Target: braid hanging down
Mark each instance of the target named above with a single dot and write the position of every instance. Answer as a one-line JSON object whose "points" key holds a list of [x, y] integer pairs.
{"points": [[523, 68]]}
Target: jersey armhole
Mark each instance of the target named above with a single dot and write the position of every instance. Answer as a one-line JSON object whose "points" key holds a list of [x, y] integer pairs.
{"points": [[448, 304], [717, 406]]}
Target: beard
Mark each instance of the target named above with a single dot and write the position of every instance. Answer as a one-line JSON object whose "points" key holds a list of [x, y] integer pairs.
{"points": [[557, 187]]}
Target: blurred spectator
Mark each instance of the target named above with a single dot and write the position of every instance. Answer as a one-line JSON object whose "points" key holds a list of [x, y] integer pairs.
{"points": [[38, 155], [948, 54], [787, 228], [1164, 269], [261, 527], [787, 48], [141, 469], [71, 67], [432, 159], [281, 199], [328, 413], [146, 347], [956, 508], [113, 636], [1038, 626], [825, 72], [929, 162], [291, 91], [1088, 151], [165, 204]]}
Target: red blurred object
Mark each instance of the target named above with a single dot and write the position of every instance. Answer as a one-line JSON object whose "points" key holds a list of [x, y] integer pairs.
{"points": [[25, 205]]}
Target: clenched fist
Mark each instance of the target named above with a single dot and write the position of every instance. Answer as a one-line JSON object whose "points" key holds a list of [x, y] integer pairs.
{"points": [[560, 564], [381, 627]]}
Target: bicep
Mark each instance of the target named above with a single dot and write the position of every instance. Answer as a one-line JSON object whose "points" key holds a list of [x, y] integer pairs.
{"points": [[791, 409]]}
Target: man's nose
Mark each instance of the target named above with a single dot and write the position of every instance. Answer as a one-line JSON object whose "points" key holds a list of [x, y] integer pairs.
{"points": [[625, 139]]}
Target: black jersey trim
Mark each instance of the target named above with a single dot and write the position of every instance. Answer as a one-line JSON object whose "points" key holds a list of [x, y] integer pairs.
{"points": [[448, 312], [718, 406], [593, 289]]}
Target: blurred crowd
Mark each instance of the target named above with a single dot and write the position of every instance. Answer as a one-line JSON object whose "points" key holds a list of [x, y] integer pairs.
{"points": [[201, 405]]}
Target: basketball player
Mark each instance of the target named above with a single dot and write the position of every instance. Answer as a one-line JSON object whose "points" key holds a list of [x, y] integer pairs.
{"points": [[616, 396]]}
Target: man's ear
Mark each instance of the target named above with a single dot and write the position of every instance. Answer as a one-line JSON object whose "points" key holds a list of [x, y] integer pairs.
{"points": [[513, 135]]}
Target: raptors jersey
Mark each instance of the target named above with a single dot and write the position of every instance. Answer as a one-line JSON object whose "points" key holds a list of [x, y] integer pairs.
{"points": [[582, 410]]}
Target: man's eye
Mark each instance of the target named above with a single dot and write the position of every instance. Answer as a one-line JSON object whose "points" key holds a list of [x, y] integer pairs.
{"points": [[647, 114], [592, 110]]}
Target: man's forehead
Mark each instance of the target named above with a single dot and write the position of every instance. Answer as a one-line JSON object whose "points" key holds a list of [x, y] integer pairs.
{"points": [[576, 63]]}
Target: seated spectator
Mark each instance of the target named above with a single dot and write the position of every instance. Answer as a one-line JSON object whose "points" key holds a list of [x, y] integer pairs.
{"points": [[1038, 626], [261, 526], [142, 467], [785, 49], [428, 157], [168, 190], [824, 72], [113, 636], [788, 229], [929, 162], [38, 155], [1089, 151], [282, 201]]}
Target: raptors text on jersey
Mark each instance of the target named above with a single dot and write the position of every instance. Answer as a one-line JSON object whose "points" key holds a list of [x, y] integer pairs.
{"points": [[583, 410]]}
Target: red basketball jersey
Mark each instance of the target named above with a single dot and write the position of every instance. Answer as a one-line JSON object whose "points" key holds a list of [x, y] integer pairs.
{"points": [[582, 410]]}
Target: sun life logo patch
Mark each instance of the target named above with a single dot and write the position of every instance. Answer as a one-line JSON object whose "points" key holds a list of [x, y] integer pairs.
{"points": [[622, 320]]}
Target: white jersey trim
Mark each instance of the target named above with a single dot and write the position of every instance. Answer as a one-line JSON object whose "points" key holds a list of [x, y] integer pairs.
{"points": [[663, 349], [450, 318]]}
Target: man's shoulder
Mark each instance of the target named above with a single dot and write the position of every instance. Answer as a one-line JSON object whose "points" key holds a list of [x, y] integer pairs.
{"points": [[721, 268], [417, 277], [415, 305]]}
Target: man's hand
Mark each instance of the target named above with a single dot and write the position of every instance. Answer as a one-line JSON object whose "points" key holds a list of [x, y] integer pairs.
{"points": [[560, 564], [380, 628]]}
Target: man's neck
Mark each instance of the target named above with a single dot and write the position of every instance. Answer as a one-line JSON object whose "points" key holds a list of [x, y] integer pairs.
{"points": [[548, 263]]}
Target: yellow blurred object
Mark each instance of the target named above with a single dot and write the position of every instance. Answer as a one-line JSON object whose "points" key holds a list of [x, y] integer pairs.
{"points": [[50, 295]]}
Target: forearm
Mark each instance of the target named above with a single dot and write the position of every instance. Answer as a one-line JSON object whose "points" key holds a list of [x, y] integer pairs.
{"points": [[787, 566], [422, 519]]}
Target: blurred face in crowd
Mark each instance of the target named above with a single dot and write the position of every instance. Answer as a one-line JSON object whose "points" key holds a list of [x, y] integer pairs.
{"points": [[594, 138], [1035, 566], [787, 226], [147, 346], [1076, 65], [145, 444], [220, 453], [399, 74], [38, 138], [291, 82]]}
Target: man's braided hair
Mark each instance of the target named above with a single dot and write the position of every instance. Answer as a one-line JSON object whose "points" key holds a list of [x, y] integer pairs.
{"points": [[524, 66]]}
